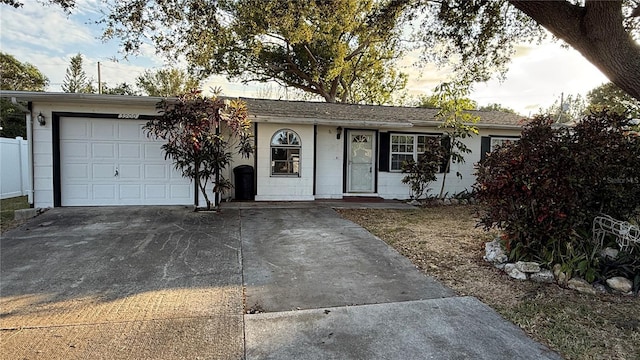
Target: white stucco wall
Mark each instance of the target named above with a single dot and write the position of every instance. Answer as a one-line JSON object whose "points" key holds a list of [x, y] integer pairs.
{"points": [[330, 166], [390, 184], [286, 188], [330, 163]]}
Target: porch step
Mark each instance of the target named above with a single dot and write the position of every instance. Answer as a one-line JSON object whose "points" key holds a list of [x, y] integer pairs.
{"points": [[362, 198]]}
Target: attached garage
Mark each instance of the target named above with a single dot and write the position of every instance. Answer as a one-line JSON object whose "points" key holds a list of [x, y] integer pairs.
{"points": [[91, 150], [110, 161]]}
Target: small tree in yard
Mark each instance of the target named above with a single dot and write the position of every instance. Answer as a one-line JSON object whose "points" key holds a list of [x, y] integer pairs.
{"points": [[193, 128], [545, 190], [422, 172], [457, 123]]}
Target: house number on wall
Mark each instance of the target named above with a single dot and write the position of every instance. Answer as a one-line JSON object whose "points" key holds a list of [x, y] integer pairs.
{"points": [[128, 116]]}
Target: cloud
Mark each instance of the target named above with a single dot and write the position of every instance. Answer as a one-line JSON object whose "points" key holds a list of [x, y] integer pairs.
{"points": [[538, 79], [32, 25], [523, 50]]}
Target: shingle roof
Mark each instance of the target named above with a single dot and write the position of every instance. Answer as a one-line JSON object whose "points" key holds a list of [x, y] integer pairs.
{"points": [[302, 111], [264, 108]]}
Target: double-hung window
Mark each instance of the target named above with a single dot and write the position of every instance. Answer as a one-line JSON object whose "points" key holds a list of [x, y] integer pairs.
{"points": [[285, 153], [490, 143], [499, 141], [406, 147]]}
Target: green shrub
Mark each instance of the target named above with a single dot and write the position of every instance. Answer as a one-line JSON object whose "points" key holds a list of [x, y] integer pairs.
{"points": [[419, 174], [544, 190]]}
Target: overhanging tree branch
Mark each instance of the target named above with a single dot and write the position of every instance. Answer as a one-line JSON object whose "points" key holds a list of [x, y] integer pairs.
{"points": [[597, 32]]}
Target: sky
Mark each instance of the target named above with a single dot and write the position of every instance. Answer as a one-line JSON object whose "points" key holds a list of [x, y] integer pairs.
{"points": [[47, 37]]}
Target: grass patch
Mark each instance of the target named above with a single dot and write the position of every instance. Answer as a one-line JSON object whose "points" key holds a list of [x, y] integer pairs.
{"points": [[444, 243], [7, 209]]}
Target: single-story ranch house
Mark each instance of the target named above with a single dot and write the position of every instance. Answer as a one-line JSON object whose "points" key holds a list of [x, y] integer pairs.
{"points": [[90, 150]]}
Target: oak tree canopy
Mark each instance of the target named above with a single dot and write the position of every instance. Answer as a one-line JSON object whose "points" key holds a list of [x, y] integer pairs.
{"points": [[338, 50], [345, 50]]}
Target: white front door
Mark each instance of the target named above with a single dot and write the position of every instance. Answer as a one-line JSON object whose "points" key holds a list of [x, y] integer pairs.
{"points": [[361, 169]]}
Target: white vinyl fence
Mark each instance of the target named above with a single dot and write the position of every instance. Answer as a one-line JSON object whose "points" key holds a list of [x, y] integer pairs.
{"points": [[14, 167]]}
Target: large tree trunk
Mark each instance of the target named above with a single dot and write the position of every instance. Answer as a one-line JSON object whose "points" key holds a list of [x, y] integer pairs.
{"points": [[597, 32]]}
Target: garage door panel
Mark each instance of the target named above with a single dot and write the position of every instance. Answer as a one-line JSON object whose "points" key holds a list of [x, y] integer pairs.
{"points": [[151, 151], [175, 175], [130, 192], [78, 192], [129, 172], [104, 129], [78, 130], [104, 191], [92, 149], [130, 131], [155, 171], [77, 150], [155, 191], [180, 191], [104, 172], [129, 151], [76, 172], [103, 151]]}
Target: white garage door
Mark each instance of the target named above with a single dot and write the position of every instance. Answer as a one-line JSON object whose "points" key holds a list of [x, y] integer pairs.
{"points": [[112, 162]]}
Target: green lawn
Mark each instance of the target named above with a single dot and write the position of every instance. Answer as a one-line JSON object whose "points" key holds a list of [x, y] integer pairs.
{"points": [[7, 208]]}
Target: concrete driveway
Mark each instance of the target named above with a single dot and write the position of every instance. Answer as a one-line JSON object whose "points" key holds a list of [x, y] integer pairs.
{"points": [[122, 283], [167, 283]]}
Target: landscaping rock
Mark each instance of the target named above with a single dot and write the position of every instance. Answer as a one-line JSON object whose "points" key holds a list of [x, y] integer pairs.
{"points": [[561, 276], [581, 286], [454, 201], [499, 266], [620, 284], [494, 253], [543, 276], [528, 267], [600, 288], [562, 279], [464, 202], [414, 202], [609, 253], [446, 202], [512, 271]]}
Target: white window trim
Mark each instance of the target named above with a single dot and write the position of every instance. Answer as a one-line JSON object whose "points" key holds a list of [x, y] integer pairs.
{"points": [[286, 146], [498, 140], [415, 147]]}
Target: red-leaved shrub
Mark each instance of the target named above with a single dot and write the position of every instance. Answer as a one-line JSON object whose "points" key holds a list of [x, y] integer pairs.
{"points": [[544, 190]]}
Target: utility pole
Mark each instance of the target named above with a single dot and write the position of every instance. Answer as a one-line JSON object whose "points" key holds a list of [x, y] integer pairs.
{"points": [[561, 110], [99, 80]]}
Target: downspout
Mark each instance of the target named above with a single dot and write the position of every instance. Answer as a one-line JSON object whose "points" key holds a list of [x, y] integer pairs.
{"points": [[216, 194], [29, 124]]}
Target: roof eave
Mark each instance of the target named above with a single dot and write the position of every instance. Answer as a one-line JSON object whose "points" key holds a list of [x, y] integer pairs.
{"points": [[79, 97], [332, 122], [479, 125]]}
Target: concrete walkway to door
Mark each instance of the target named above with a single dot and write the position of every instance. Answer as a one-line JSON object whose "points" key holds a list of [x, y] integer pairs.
{"points": [[324, 288], [168, 283]]}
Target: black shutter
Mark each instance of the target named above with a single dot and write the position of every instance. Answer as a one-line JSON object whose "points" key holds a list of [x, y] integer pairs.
{"points": [[445, 142], [383, 153], [485, 146]]}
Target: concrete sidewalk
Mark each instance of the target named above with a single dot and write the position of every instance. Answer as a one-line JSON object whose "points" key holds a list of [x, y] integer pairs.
{"points": [[168, 283]]}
